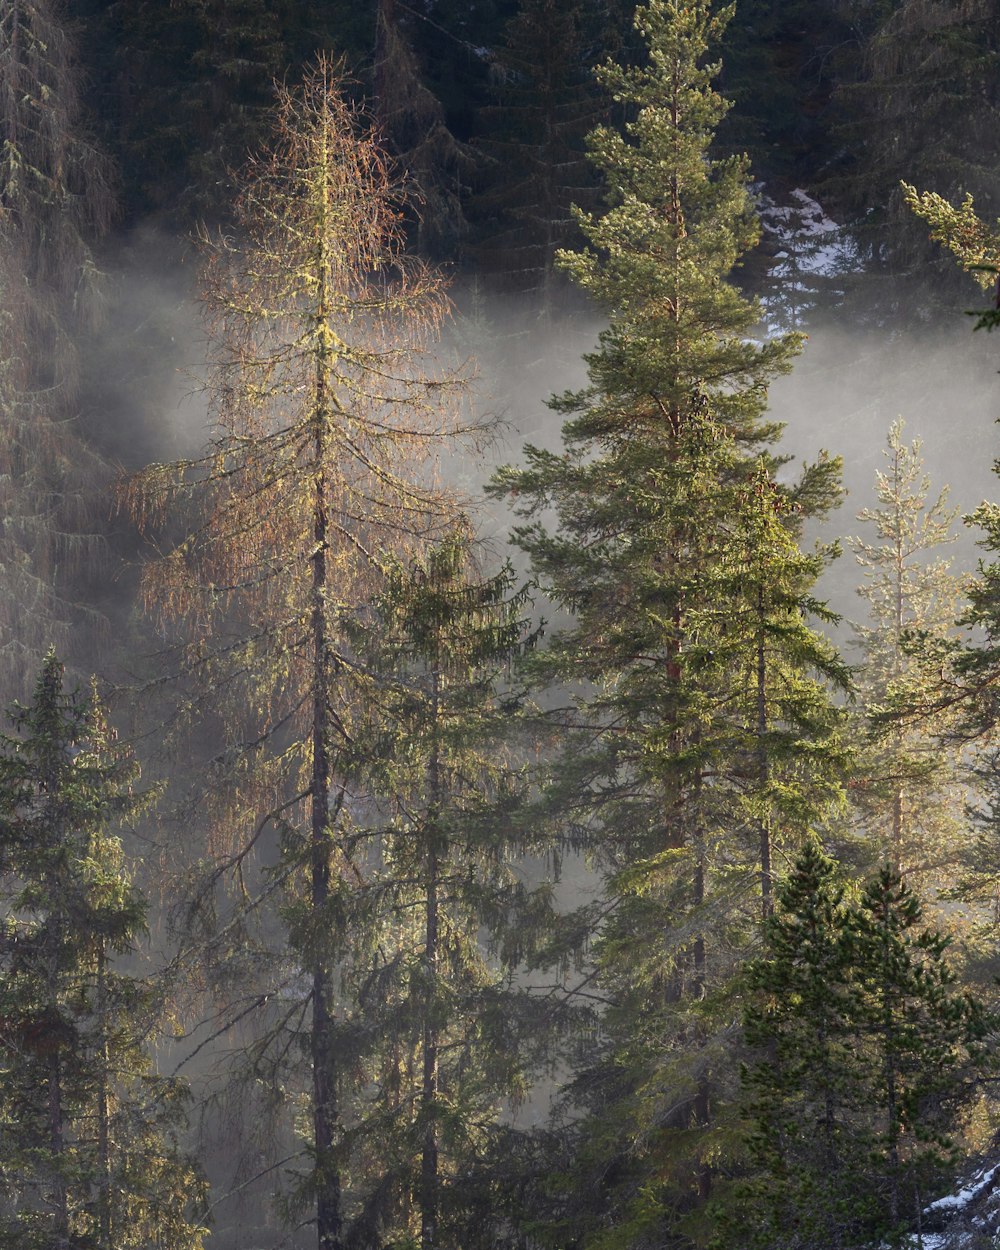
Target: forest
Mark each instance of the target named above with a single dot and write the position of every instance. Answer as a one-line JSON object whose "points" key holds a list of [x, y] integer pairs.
{"points": [[500, 628]]}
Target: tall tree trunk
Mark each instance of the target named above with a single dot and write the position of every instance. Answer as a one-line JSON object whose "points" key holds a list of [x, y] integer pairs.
{"points": [[766, 882], [429, 1159], [57, 1144], [103, 1112], [325, 1109]]}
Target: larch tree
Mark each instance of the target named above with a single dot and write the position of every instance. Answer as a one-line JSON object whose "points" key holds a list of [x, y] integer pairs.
{"points": [[911, 806], [328, 413], [968, 668], [89, 1152], [652, 495]]}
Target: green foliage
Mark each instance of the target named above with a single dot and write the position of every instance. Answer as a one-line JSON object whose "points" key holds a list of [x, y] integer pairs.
{"points": [[443, 917], [910, 803], [865, 1054], [88, 1132], [55, 204], [320, 477], [925, 109], [701, 732], [545, 102]]}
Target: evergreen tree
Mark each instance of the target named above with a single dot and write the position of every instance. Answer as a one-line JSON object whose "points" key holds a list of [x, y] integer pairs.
{"points": [[444, 918], [924, 108], [415, 131], [799, 1095], [545, 104], [320, 472], [968, 671], [55, 203], [88, 1133], [191, 93], [677, 559], [866, 1057]]}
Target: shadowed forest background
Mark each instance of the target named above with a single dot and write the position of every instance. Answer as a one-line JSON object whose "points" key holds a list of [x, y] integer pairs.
{"points": [[499, 623]]}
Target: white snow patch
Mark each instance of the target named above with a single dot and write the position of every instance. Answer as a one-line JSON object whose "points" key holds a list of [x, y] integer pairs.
{"points": [[808, 245], [957, 1202]]}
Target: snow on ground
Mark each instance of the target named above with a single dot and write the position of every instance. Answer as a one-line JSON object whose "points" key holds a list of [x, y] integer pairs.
{"points": [[967, 1219], [981, 1184]]}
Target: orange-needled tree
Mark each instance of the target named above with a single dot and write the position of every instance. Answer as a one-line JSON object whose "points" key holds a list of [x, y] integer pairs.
{"points": [[329, 410]]}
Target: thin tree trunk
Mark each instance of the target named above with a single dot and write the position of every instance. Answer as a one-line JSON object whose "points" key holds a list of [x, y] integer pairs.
{"points": [[429, 1159], [57, 1144], [325, 1108], [103, 1112], [896, 855], [763, 771], [702, 1101]]}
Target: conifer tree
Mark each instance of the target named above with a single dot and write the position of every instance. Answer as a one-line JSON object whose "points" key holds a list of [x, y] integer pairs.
{"points": [[866, 1055], [912, 806], [669, 764], [969, 671], [415, 130], [798, 1096], [88, 1133], [546, 103], [319, 473], [924, 109], [444, 914], [55, 203]]}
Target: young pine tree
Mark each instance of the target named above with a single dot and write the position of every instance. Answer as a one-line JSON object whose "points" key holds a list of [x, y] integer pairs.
{"points": [[970, 671], [677, 734], [88, 1133]]}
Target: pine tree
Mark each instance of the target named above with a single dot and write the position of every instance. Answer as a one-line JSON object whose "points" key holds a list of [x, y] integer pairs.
{"points": [[319, 473], [88, 1133], [974, 244], [677, 559]]}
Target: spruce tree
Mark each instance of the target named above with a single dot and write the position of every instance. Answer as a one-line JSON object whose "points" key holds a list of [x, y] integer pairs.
{"points": [[88, 1132], [55, 204], [924, 108], [670, 769], [799, 1095], [545, 103], [444, 918], [865, 1056], [415, 131]]}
